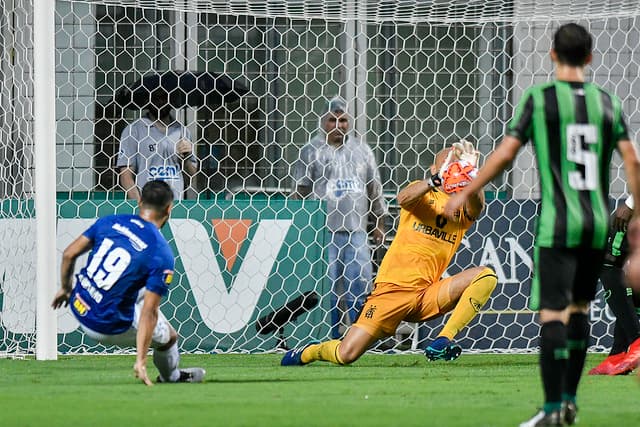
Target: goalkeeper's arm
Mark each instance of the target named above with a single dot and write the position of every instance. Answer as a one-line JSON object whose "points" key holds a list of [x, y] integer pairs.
{"points": [[414, 191]]}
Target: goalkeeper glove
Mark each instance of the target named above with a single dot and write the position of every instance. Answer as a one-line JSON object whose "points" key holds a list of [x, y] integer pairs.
{"points": [[464, 150], [446, 163]]}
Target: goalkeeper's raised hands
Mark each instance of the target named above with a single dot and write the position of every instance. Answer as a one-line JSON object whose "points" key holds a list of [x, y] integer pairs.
{"points": [[451, 157], [465, 150]]}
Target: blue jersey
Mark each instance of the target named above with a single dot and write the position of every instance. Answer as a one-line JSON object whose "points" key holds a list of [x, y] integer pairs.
{"points": [[128, 254]]}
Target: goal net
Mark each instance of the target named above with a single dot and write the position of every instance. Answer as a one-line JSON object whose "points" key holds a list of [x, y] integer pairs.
{"points": [[251, 262]]}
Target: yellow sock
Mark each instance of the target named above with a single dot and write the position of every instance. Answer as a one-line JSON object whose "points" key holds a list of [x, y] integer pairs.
{"points": [[327, 351], [470, 302]]}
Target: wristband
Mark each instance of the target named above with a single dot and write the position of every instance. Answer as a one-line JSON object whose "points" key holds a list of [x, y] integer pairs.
{"points": [[434, 180], [629, 202]]}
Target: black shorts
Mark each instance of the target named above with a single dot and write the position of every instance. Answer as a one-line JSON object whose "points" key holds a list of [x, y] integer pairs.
{"points": [[564, 275]]}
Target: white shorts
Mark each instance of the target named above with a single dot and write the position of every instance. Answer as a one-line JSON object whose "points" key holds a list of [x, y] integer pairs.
{"points": [[160, 337]]}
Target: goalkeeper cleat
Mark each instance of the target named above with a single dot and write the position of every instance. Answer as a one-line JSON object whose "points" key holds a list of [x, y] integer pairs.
{"points": [[608, 365], [569, 413], [294, 357], [187, 375], [542, 419], [442, 348]]}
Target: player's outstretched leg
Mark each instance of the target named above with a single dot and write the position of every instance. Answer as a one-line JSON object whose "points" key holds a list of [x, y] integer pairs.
{"points": [[339, 352], [167, 363], [469, 290]]}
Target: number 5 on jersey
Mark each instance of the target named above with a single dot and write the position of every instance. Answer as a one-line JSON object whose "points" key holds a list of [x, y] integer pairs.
{"points": [[578, 137]]}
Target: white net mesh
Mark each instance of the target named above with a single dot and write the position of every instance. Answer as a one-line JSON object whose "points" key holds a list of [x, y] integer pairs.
{"points": [[414, 11], [416, 75]]}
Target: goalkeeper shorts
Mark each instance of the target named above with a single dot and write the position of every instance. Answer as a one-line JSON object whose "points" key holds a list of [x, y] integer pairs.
{"points": [[389, 304]]}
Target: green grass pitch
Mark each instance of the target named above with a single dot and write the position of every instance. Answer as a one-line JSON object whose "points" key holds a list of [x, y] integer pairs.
{"points": [[253, 390]]}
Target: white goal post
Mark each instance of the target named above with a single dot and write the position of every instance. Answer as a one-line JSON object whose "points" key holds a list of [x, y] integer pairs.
{"points": [[416, 74]]}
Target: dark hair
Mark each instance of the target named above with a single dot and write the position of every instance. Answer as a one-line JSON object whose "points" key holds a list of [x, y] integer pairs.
{"points": [[572, 43], [156, 195]]}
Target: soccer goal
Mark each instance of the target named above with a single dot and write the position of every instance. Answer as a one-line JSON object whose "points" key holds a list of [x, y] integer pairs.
{"points": [[250, 261]]}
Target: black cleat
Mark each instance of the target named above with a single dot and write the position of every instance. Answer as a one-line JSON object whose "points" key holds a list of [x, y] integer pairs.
{"points": [[542, 419]]}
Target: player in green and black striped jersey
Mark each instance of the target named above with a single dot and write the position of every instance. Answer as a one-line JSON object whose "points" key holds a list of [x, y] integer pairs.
{"points": [[574, 126]]}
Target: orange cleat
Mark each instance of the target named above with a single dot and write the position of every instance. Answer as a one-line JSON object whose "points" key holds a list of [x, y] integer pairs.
{"points": [[631, 360], [607, 366]]}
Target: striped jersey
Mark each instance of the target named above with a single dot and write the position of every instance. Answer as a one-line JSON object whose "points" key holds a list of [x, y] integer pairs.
{"points": [[424, 244], [574, 128]]}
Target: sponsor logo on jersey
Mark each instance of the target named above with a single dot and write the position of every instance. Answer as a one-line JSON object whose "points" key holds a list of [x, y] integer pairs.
{"points": [[80, 306], [163, 172], [167, 276], [136, 241], [137, 222], [435, 232], [341, 187]]}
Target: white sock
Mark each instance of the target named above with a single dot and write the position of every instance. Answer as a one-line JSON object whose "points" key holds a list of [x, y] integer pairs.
{"points": [[167, 363]]}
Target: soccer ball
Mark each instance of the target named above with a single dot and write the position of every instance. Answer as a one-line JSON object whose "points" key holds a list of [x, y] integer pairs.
{"points": [[457, 176]]}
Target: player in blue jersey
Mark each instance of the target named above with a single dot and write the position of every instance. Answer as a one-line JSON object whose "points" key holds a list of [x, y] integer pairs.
{"points": [[117, 294]]}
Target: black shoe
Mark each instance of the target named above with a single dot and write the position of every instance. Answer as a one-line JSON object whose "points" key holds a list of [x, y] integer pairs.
{"points": [[541, 419], [569, 413]]}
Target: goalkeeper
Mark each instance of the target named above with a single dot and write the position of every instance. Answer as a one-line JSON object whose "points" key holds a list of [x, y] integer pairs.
{"points": [[409, 285]]}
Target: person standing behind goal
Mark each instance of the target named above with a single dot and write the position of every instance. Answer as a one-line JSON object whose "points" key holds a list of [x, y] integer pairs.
{"points": [[156, 146], [339, 168], [117, 294], [574, 127]]}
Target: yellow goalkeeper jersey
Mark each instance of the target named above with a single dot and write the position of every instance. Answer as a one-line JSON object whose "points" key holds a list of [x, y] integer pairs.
{"points": [[424, 243]]}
